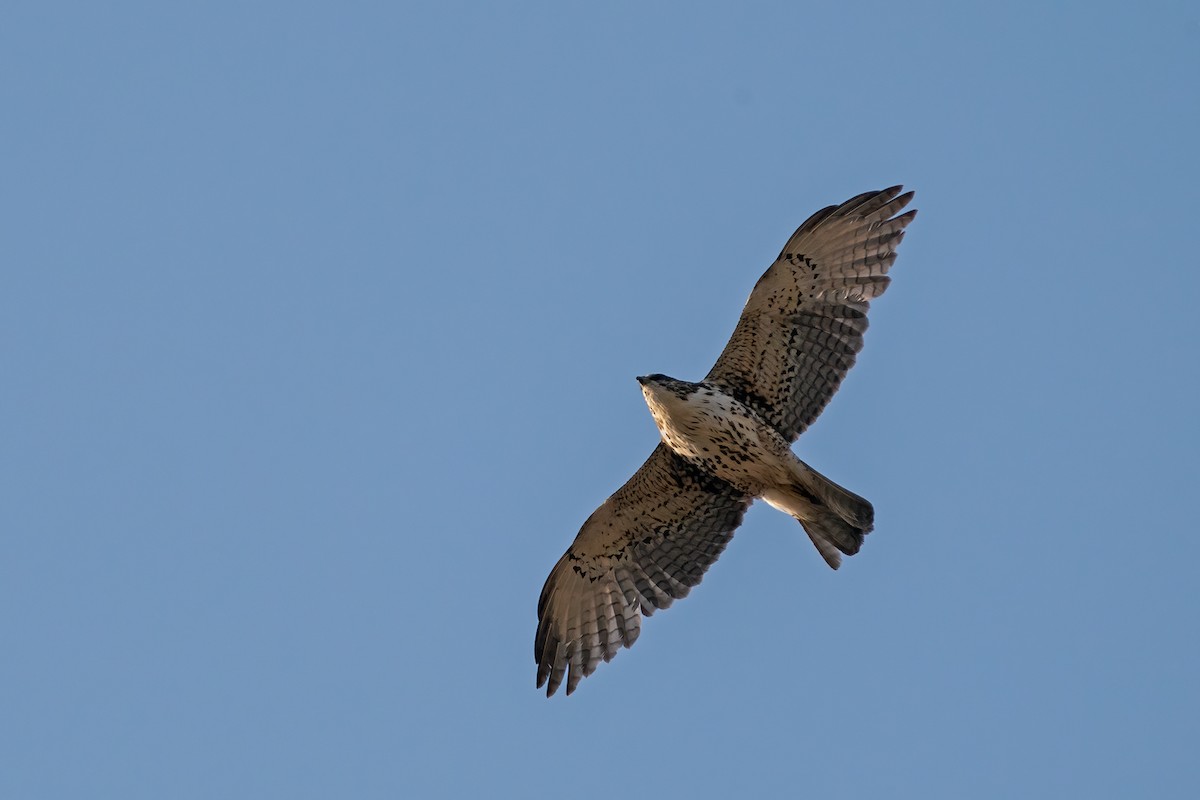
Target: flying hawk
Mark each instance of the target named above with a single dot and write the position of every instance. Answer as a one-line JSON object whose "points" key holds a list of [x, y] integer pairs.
{"points": [[727, 441]]}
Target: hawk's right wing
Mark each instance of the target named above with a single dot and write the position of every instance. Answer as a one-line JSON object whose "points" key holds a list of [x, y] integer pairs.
{"points": [[642, 549]]}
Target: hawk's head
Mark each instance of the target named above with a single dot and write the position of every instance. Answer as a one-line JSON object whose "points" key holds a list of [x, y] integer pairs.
{"points": [[658, 383], [666, 397]]}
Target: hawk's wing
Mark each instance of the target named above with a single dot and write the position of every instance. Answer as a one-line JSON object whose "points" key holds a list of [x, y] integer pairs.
{"points": [[804, 322], [645, 547]]}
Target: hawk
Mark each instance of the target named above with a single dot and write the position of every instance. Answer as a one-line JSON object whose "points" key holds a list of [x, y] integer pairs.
{"points": [[726, 441]]}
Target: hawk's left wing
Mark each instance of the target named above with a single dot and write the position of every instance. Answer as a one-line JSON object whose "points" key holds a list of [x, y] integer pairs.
{"points": [[642, 549], [803, 325]]}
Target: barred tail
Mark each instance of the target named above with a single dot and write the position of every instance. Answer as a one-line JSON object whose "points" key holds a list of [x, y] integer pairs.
{"points": [[836, 519]]}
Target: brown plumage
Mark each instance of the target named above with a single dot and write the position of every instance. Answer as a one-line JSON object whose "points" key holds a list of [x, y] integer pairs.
{"points": [[725, 442]]}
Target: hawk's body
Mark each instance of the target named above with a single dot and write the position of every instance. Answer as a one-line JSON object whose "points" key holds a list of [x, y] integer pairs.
{"points": [[718, 433], [729, 440], [726, 441]]}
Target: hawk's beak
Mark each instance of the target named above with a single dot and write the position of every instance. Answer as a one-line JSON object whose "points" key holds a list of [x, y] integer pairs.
{"points": [[641, 379]]}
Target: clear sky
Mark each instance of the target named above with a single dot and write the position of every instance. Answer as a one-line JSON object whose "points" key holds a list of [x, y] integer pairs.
{"points": [[318, 332]]}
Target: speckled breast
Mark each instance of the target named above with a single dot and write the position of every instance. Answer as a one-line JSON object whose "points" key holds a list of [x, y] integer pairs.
{"points": [[723, 437]]}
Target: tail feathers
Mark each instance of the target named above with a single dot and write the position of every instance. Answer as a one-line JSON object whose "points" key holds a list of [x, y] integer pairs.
{"points": [[834, 518], [855, 510], [832, 535]]}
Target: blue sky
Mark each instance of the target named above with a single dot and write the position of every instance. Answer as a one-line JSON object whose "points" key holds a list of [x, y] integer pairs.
{"points": [[319, 325]]}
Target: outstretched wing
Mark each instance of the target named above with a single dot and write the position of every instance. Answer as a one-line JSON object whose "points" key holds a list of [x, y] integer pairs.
{"points": [[644, 548], [804, 322]]}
